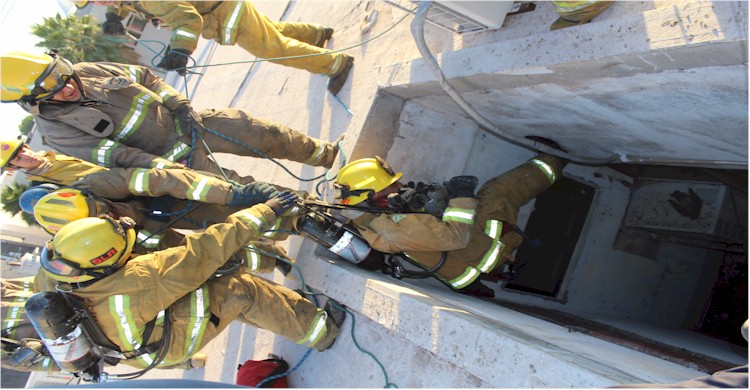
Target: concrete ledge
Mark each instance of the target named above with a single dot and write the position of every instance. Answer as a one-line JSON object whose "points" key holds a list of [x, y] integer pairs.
{"points": [[438, 338], [695, 35]]}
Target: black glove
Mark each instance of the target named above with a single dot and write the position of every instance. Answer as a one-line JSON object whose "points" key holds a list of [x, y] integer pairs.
{"points": [[176, 59], [462, 186], [437, 200], [406, 199], [187, 118], [252, 194], [282, 202], [113, 25]]}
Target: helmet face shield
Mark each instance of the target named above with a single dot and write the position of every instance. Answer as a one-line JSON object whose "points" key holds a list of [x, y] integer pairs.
{"points": [[53, 80], [58, 266]]}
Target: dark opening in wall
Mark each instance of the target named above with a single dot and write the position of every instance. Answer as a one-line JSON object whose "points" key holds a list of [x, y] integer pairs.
{"points": [[553, 231]]}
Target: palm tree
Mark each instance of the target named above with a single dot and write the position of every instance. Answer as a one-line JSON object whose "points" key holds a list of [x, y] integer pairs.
{"points": [[9, 197], [26, 125], [81, 40]]}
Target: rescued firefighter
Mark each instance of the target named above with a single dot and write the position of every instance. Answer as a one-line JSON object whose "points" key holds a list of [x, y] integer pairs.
{"points": [[477, 233], [118, 115], [235, 22], [172, 293]]}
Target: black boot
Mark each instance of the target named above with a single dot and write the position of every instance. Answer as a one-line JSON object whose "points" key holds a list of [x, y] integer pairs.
{"points": [[336, 315], [477, 289]]}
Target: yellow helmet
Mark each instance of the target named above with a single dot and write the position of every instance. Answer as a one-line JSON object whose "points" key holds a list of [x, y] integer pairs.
{"points": [[56, 209], [30, 77], [8, 151], [88, 249], [362, 178]]}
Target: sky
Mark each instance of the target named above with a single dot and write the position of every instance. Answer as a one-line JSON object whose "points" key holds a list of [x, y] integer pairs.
{"points": [[16, 19]]}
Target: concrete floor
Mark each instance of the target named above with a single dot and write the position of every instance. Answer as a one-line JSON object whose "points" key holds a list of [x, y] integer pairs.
{"points": [[423, 334]]}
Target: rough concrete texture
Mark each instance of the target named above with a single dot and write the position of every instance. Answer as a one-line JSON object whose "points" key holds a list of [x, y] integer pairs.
{"points": [[522, 77]]}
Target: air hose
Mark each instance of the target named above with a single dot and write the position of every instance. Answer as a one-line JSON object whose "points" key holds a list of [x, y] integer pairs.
{"points": [[417, 31]]}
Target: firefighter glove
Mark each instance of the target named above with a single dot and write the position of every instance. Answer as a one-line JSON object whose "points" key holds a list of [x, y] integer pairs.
{"points": [[176, 59], [462, 186], [113, 26], [282, 202], [252, 194], [187, 118]]}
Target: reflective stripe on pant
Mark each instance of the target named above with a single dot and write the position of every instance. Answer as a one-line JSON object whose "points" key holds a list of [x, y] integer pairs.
{"points": [[260, 258], [263, 38], [257, 301]]}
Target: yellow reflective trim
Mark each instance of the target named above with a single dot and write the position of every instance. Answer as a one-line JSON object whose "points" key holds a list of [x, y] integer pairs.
{"points": [[459, 215], [493, 228], [253, 258], [198, 313], [490, 257], [231, 24], [316, 331], [546, 169], [199, 190], [185, 34], [465, 278]]}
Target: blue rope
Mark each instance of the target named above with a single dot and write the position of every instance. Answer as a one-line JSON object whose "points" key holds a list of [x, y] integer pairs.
{"points": [[283, 374], [338, 99]]}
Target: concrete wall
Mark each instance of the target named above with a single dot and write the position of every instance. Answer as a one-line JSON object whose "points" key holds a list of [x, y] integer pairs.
{"points": [[662, 85]]}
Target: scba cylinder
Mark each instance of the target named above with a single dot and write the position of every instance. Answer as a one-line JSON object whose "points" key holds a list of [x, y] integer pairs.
{"points": [[61, 331], [335, 238]]}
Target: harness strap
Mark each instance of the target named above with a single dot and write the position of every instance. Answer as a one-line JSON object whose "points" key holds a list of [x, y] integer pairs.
{"points": [[212, 9]]}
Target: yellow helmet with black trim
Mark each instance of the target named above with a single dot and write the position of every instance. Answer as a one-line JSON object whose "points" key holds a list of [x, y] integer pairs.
{"points": [[88, 249], [32, 77], [362, 178], [62, 206]]}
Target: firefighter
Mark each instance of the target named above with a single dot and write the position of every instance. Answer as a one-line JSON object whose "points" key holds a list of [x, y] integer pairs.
{"points": [[22, 348], [477, 232], [117, 115], [573, 13], [114, 188], [120, 183], [230, 22], [90, 260]]}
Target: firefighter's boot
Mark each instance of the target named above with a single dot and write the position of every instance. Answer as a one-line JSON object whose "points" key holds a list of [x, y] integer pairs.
{"points": [[336, 313]]}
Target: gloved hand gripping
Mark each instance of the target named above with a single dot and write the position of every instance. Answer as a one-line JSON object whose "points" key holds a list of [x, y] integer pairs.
{"points": [[175, 59], [187, 118], [252, 194], [113, 26], [282, 202]]}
